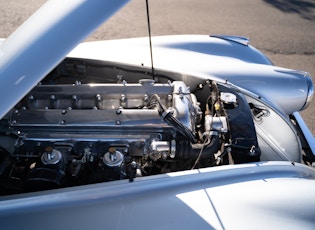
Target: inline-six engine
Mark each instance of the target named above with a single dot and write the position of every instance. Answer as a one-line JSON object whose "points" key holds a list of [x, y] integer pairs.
{"points": [[71, 134]]}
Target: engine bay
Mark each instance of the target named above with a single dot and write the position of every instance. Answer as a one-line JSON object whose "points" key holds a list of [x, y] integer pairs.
{"points": [[90, 122]]}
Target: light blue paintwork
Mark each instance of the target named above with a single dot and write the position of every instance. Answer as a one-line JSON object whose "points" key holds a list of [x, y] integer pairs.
{"points": [[209, 58], [274, 195]]}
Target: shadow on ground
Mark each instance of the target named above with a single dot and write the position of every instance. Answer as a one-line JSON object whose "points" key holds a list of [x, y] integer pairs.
{"points": [[304, 8]]}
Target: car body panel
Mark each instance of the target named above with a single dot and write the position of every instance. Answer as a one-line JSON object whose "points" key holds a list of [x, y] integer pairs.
{"points": [[274, 144], [218, 59], [242, 196]]}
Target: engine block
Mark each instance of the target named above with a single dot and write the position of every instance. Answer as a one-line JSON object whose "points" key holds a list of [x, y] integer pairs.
{"points": [[62, 134], [104, 105], [115, 114], [113, 122]]}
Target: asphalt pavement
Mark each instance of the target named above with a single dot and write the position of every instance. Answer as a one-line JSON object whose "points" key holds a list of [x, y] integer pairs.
{"points": [[283, 29]]}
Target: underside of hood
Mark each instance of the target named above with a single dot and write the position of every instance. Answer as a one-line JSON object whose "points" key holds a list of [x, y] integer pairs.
{"points": [[43, 40]]}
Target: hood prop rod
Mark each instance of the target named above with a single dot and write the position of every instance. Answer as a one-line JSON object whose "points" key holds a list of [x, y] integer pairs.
{"points": [[149, 30]]}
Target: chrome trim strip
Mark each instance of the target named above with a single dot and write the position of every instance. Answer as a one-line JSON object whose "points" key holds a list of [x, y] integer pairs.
{"points": [[238, 39], [306, 132], [310, 90]]}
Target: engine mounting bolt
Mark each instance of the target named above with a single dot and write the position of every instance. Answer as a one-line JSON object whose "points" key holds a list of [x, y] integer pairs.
{"points": [[74, 97], [169, 97], [118, 111], [62, 122], [117, 122], [123, 98], [52, 97], [98, 97], [31, 97]]}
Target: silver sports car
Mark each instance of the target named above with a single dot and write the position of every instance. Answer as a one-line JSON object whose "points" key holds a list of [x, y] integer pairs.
{"points": [[204, 135]]}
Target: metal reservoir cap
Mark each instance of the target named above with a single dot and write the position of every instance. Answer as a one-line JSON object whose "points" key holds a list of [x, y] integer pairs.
{"points": [[228, 98], [113, 158]]}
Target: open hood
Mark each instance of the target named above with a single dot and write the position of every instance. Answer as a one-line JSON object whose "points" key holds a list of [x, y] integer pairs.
{"points": [[45, 39]]}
